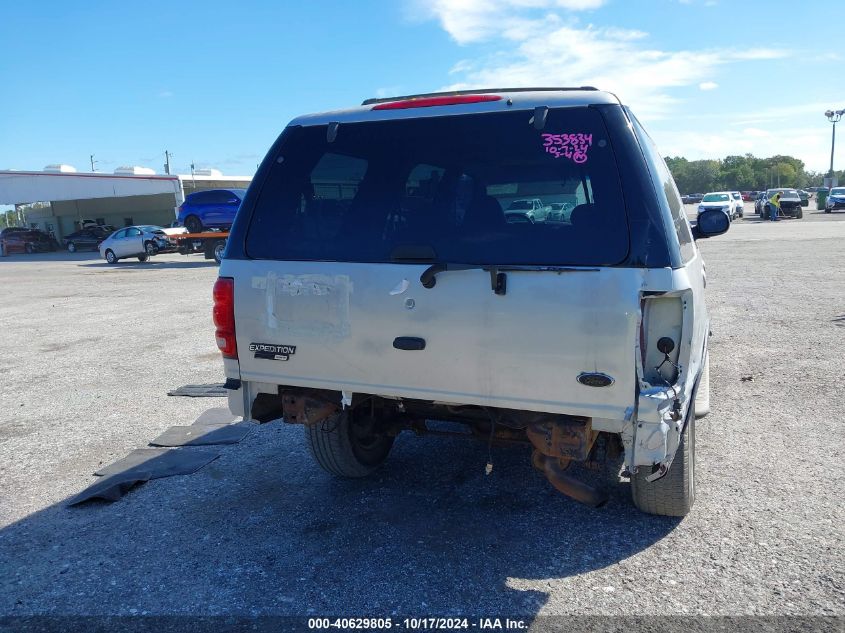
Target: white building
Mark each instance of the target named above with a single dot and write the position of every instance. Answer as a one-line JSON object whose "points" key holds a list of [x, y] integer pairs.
{"points": [[131, 195]]}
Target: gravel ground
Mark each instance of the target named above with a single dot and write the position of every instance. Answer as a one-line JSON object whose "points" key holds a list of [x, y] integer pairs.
{"points": [[88, 352]]}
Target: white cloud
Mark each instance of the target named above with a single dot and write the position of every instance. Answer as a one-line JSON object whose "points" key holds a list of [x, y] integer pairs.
{"points": [[540, 42], [468, 21], [756, 132], [564, 53], [708, 85], [757, 54]]}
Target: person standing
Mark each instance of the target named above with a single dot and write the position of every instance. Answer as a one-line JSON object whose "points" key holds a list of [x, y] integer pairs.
{"points": [[774, 206]]}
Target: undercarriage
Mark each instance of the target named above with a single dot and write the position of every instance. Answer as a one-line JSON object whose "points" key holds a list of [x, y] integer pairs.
{"points": [[552, 441]]}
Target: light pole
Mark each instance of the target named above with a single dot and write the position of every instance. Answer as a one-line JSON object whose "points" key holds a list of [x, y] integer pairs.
{"points": [[834, 116]]}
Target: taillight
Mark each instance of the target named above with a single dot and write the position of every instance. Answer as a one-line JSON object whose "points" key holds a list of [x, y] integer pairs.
{"points": [[224, 316], [428, 102]]}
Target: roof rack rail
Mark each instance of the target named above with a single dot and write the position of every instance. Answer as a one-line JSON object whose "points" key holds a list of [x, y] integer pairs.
{"points": [[482, 91]]}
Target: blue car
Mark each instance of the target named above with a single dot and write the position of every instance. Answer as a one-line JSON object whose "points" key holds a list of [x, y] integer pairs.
{"points": [[212, 209]]}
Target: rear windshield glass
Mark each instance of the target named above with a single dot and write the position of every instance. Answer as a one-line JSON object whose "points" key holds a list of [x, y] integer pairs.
{"points": [[716, 197], [473, 189]]}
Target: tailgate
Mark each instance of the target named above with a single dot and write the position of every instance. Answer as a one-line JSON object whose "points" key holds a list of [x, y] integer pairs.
{"points": [[333, 325]]}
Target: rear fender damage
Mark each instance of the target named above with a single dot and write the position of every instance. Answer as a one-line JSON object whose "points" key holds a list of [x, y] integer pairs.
{"points": [[652, 430]]}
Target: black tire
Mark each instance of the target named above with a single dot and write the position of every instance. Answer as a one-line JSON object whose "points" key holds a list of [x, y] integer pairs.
{"points": [[29, 248], [673, 494], [800, 214], [150, 249], [71, 247], [143, 258], [345, 449], [110, 256], [193, 224]]}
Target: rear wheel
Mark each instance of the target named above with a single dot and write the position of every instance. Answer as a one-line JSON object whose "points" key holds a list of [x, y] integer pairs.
{"points": [[71, 247], [674, 493], [219, 248], [143, 258], [193, 224], [347, 447], [29, 248]]}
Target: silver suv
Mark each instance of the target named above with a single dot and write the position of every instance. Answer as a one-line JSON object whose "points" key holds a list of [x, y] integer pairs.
{"points": [[372, 284]]}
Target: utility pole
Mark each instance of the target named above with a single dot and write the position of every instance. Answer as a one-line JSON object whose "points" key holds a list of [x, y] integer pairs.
{"points": [[93, 162], [834, 116], [167, 156]]}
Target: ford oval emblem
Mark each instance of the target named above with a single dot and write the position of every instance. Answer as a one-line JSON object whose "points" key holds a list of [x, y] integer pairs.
{"points": [[595, 379]]}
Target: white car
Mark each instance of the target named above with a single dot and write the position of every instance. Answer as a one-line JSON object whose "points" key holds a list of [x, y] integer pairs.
{"points": [[739, 205], [382, 304], [134, 241], [721, 200]]}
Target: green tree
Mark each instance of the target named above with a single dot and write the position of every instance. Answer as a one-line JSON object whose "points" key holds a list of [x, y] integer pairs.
{"points": [[739, 173]]}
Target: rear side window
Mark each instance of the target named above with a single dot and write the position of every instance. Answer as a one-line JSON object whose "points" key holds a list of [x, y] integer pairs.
{"points": [[222, 197], [665, 185], [201, 197], [473, 189]]}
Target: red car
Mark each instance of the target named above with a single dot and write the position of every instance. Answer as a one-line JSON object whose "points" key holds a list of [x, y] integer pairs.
{"points": [[19, 240]]}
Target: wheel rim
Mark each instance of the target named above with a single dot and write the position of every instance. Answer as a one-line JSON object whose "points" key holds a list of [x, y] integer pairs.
{"points": [[367, 446], [218, 252], [151, 250], [71, 247], [110, 257]]}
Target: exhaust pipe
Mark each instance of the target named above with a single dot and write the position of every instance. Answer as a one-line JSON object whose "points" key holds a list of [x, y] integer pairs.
{"points": [[569, 486]]}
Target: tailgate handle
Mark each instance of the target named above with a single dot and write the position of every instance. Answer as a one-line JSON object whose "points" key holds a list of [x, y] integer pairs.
{"points": [[409, 343]]}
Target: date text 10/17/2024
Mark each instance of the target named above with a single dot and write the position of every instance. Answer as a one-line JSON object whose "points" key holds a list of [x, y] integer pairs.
{"points": [[418, 624]]}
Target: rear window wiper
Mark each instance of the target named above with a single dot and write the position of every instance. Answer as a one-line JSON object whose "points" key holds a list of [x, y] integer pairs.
{"points": [[498, 278], [498, 281]]}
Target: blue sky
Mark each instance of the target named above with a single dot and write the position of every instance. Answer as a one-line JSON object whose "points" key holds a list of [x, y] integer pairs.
{"points": [[215, 82]]}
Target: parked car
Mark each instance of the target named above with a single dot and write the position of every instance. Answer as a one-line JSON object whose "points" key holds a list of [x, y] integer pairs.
{"points": [[559, 212], [532, 210], [760, 203], [692, 198], [718, 200], [23, 240], [135, 241], [739, 206], [805, 197], [790, 202], [747, 196], [212, 209], [835, 200], [89, 238], [382, 305]]}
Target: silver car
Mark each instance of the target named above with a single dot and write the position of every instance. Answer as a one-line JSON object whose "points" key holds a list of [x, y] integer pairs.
{"points": [[372, 283], [134, 241]]}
